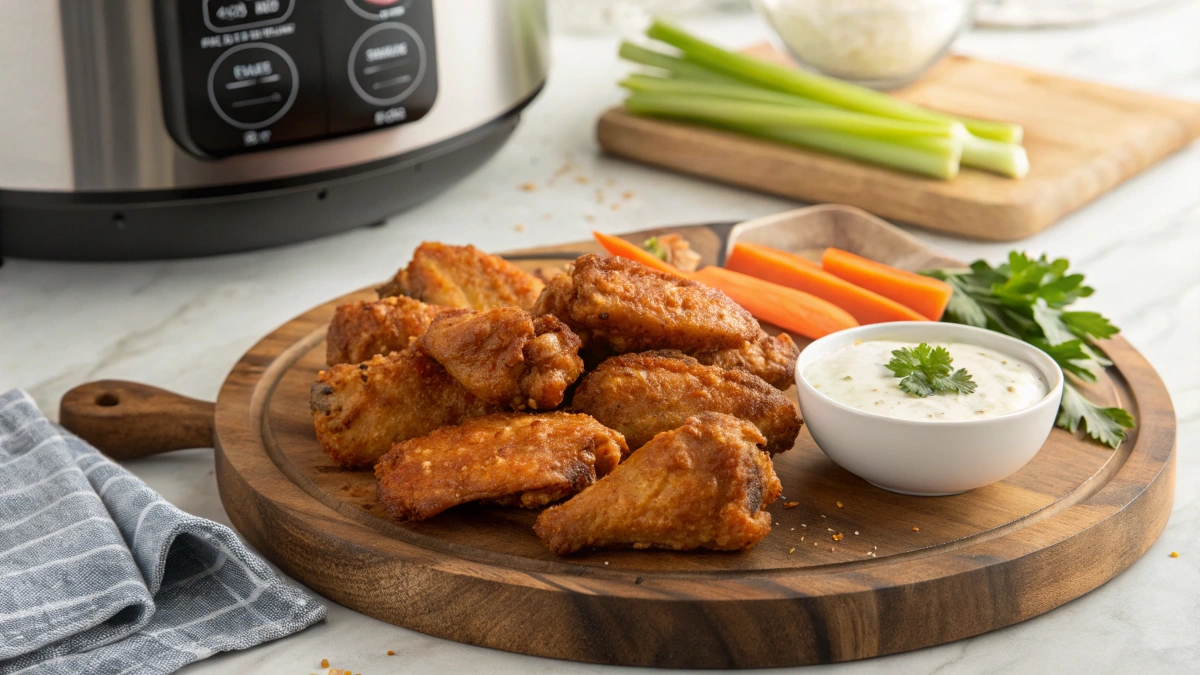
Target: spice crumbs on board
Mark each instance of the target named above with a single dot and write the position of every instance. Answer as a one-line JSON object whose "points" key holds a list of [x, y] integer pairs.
{"points": [[790, 505], [391, 653], [324, 663], [1174, 554], [841, 505], [528, 187], [519, 227], [916, 529], [837, 537], [792, 550]]}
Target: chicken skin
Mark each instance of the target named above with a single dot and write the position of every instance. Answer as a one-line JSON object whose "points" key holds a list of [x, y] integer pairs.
{"points": [[504, 356], [771, 358], [463, 277], [514, 459], [360, 330], [632, 308], [642, 395], [360, 411], [704, 485], [618, 306]]}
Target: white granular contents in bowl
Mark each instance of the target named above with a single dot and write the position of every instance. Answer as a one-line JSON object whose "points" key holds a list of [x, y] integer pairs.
{"points": [[866, 39]]}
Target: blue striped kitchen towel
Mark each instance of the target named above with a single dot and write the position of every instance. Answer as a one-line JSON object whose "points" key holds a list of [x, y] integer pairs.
{"points": [[99, 575]]}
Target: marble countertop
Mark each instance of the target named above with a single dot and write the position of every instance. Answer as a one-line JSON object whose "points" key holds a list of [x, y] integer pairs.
{"points": [[181, 325]]}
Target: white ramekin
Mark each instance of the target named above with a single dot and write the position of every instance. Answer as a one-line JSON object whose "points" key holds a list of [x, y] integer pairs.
{"points": [[928, 457]]}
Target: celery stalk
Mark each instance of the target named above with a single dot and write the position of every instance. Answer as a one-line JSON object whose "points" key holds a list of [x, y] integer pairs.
{"points": [[814, 86], [930, 161], [732, 91], [765, 114], [672, 64], [1005, 159]]}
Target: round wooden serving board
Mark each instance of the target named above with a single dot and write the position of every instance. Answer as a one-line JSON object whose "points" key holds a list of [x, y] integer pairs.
{"points": [[907, 572]]}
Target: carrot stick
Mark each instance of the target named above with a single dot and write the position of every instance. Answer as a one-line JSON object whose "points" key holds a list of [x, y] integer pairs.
{"points": [[923, 294], [623, 249], [792, 310], [793, 271]]}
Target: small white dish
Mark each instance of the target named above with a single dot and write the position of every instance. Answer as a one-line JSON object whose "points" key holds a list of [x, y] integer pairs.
{"points": [[928, 458]]}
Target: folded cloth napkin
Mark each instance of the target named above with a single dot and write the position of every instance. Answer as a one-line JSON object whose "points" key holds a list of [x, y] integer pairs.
{"points": [[99, 575]]}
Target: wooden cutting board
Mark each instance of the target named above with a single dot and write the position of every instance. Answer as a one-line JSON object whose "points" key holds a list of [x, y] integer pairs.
{"points": [[908, 571], [1083, 139]]}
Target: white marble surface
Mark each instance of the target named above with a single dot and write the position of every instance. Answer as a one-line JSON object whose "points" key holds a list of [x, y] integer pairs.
{"points": [[181, 325]]}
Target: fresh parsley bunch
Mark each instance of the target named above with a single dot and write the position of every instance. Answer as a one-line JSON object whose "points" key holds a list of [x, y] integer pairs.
{"points": [[928, 370], [1027, 299]]}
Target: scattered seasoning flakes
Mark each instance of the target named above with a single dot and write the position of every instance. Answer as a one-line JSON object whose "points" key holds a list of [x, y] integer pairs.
{"points": [[605, 562], [790, 505], [856, 533], [628, 194], [324, 663], [829, 529], [1174, 554], [590, 218], [519, 227], [582, 180], [840, 505], [831, 549], [801, 538], [528, 187], [793, 529], [803, 525], [792, 550], [615, 207], [391, 653], [837, 537], [822, 515], [916, 529]]}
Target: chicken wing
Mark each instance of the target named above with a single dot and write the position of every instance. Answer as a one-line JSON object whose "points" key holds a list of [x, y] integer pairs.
{"points": [[360, 330], [618, 306], [642, 395], [504, 356], [633, 308], [360, 411], [771, 358], [703, 485], [463, 277], [514, 459]]}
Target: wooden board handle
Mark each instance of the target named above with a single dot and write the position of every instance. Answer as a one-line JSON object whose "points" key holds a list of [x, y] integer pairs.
{"points": [[127, 420]]}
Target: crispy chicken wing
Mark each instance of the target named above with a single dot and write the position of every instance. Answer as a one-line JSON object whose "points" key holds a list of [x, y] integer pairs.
{"points": [[618, 306], [703, 485], [360, 330], [771, 358], [642, 395], [633, 308], [504, 356], [464, 277], [514, 459], [361, 410]]}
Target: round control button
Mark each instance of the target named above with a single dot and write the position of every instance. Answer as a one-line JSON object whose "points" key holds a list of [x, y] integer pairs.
{"points": [[378, 10], [387, 63], [253, 85]]}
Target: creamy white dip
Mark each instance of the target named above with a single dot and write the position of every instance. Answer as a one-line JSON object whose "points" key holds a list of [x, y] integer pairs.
{"points": [[855, 376]]}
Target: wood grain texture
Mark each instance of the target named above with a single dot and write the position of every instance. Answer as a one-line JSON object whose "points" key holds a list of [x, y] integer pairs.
{"points": [[127, 420], [1083, 139], [1073, 518]]}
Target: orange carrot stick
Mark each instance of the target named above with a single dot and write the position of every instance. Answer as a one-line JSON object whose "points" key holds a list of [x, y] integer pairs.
{"points": [[793, 271], [621, 248], [923, 294], [788, 308]]}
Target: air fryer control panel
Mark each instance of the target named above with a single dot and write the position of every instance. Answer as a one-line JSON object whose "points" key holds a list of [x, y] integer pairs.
{"points": [[246, 75]]}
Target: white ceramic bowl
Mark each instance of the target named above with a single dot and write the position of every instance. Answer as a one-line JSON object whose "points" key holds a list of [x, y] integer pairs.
{"points": [[928, 457]]}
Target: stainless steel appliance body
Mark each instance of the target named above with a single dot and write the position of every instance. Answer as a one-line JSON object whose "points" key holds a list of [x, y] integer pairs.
{"points": [[161, 128]]}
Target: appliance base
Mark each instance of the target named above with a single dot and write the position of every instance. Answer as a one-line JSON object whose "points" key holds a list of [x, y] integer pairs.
{"points": [[210, 221]]}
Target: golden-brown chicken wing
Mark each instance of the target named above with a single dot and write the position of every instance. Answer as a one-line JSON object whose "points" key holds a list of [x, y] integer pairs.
{"points": [[463, 277], [360, 411], [360, 330], [633, 308], [504, 356], [771, 358], [515, 459], [703, 485], [642, 395]]}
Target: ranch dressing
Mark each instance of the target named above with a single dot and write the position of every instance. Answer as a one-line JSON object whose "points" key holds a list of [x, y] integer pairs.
{"points": [[855, 376]]}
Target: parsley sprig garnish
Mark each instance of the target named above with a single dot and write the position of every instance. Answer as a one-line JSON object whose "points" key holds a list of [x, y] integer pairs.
{"points": [[1027, 298], [929, 370]]}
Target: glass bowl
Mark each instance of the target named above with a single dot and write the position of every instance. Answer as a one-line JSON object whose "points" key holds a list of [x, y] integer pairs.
{"points": [[881, 44]]}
